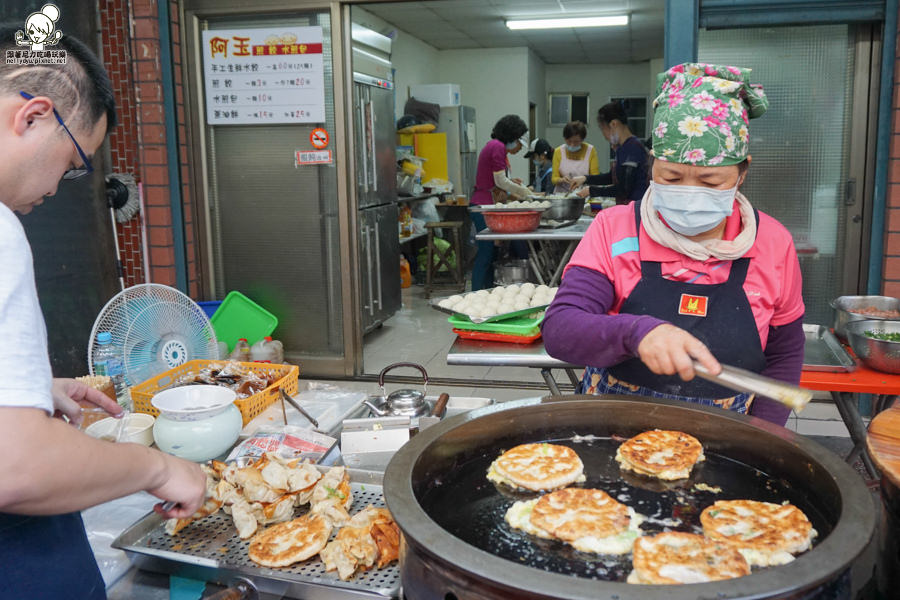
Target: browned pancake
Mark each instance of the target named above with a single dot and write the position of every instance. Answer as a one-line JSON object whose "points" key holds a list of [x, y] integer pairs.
{"points": [[765, 533], [667, 455], [287, 543], [677, 557], [574, 513], [537, 467]]}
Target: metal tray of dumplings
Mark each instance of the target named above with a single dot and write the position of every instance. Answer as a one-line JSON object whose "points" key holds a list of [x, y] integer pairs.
{"points": [[823, 352], [501, 317], [210, 549]]}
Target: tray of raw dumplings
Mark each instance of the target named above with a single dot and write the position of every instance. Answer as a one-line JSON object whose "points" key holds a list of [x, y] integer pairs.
{"points": [[513, 205], [497, 304]]}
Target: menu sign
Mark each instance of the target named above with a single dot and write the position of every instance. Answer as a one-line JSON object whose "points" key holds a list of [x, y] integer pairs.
{"points": [[255, 76]]}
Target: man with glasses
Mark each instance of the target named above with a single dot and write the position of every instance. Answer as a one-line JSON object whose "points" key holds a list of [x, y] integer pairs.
{"points": [[53, 118]]}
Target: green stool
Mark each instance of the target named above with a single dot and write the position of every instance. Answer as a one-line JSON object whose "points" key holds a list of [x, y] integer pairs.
{"points": [[455, 280]]}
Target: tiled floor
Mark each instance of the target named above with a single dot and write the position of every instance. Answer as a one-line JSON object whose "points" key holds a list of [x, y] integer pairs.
{"points": [[421, 334]]}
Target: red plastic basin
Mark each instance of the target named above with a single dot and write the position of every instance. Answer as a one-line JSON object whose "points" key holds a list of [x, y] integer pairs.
{"points": [[519, 221]]}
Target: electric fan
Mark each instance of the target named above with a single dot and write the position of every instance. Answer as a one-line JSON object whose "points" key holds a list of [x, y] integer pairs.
{"points": [[154, 328]]}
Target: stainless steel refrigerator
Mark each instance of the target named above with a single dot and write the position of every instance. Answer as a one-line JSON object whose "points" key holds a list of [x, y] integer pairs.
{"points": [[458, 122], [376, 176]]}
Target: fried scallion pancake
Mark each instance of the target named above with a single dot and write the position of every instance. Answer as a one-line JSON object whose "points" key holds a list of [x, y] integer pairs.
{"points": [[589, 520], [676, 557], [765, 533], [288, 543], [537, 467], [667, 455]]}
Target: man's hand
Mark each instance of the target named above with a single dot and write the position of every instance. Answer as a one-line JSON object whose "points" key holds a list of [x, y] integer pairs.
{"points": [[67, 393], [667, 350], [185, 484]]}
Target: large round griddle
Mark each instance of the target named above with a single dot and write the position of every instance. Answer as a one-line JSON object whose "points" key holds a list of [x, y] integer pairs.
{"points": [[456, 541]]}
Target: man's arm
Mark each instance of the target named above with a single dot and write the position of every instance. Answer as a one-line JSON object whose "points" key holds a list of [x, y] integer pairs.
{"points": [[49, 467]]}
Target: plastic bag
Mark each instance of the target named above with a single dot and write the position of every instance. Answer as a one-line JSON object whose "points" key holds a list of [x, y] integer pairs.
{"points": [[105, 522], [287, 442]]}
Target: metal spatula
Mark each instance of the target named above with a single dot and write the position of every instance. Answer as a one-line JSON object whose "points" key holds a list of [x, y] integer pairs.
{"points": [[746, 381]]}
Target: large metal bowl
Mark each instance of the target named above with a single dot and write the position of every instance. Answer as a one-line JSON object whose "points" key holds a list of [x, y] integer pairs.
{"points": [[564, 209], [880, 355], [845, 307]]}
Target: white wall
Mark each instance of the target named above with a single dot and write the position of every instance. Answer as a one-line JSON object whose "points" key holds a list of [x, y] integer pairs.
{"points": [[537, 92], [656, 67], [601, 82], [495, 82]]}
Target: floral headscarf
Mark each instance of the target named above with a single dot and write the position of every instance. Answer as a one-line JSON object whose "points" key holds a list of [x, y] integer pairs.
{"points": [[702, 112]]}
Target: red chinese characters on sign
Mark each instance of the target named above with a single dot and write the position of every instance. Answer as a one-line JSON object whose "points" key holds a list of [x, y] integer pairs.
{"points": [[693, 305], [286, 49], [219, 45]]}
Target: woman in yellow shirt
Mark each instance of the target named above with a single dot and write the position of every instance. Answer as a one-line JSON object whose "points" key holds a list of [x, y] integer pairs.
{"points": [[573, 159]]}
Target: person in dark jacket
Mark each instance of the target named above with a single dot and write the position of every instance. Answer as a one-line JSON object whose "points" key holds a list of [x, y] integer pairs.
{"points": [[629, 178], [541, 155]]}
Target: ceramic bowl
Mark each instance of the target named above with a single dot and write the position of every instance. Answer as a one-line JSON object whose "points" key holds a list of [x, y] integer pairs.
{"points": [[138, 429], [196, 422]]}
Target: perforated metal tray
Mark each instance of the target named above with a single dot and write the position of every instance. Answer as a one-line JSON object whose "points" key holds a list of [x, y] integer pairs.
{"points": [[210, 549]]}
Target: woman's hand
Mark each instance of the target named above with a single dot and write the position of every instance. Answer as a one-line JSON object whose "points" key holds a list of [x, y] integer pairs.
{"points": [[579, 180], [516, 180], [583, 192], [668, 350], [67, 393]]}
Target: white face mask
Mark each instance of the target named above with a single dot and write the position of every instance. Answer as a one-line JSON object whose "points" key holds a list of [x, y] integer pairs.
{"points": [[573, 148], [614, 139], [691, 210]]}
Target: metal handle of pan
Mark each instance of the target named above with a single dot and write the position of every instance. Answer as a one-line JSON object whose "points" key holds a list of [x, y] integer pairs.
{"points": [[242, 589], [746, 381], [402, 364]]}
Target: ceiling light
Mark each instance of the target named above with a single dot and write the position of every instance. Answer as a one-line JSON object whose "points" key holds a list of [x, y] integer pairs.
{"points": [[568, 22]]}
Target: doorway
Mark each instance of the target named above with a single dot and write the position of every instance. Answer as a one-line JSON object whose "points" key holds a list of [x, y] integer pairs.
{"points": [[813, 150]]}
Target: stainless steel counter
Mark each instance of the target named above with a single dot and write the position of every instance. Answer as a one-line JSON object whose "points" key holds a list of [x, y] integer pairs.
{"points": [[500, 354], [573, 232]]}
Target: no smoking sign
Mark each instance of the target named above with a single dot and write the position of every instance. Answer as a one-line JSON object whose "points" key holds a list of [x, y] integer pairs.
{"points": [[318, 137]]}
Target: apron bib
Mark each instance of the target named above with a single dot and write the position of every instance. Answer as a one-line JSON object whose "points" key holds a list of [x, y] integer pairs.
{"points": [[716, 314], [47, 558], [572, 168]]}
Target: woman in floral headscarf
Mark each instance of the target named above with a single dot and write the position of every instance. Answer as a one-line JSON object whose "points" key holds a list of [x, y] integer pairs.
{"points": [[692, 271]]}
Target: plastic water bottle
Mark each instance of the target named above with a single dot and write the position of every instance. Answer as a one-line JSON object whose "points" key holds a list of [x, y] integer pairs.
{"points": [[267, 350], [241, 351], [107, 362]]}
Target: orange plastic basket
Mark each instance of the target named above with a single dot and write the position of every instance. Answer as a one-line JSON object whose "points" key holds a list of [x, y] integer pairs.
{"points": [[286, 377]]}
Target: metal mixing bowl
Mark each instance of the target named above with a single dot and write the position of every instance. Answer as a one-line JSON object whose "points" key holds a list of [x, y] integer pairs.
{"points": [[880, 355], [844, 307], [564, 209]]}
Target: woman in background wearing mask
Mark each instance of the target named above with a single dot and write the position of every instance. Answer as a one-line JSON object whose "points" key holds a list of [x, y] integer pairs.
{"points": [[573, 158], [540, 153], [692, 271], [628, 180], [492, 180]]}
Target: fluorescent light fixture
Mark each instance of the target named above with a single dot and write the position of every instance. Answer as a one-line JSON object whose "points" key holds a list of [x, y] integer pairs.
{"points": [[569, 22]]}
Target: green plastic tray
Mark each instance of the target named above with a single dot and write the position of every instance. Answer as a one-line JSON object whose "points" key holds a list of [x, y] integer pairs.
{"points": [[514, 326], [240, 317]]}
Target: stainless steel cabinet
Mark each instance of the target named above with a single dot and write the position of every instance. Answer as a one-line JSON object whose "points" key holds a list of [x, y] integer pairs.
{"points": [[379, 260]]}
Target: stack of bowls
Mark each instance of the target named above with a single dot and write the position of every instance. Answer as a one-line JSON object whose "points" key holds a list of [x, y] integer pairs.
{"points": [[855, 308]]}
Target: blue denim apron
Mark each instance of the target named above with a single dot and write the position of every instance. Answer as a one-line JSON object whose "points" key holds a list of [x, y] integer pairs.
{"points": [[47, 558], [719, 315]]}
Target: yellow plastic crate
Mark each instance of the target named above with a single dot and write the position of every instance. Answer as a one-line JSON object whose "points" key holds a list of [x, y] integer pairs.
{"points": [[286, 377]]}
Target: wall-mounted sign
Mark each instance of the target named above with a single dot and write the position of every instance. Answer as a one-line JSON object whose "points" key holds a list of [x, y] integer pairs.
{"points": [[312, 157], [318, 137], [266, 75]]}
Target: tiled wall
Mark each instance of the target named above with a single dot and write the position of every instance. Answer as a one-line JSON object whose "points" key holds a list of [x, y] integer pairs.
{"points": [[138, 144]]}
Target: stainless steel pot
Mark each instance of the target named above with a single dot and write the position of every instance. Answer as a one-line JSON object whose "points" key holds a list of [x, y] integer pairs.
{"points": [[564, 209], [436, 563], [843, 311]]}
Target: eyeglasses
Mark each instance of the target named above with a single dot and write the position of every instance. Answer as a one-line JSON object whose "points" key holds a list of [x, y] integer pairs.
{"points": [[75, 172]]}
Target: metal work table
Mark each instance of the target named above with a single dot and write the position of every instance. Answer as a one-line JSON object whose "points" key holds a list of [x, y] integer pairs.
{"points": [[843, 387], [545, 259], [500, 354]]}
